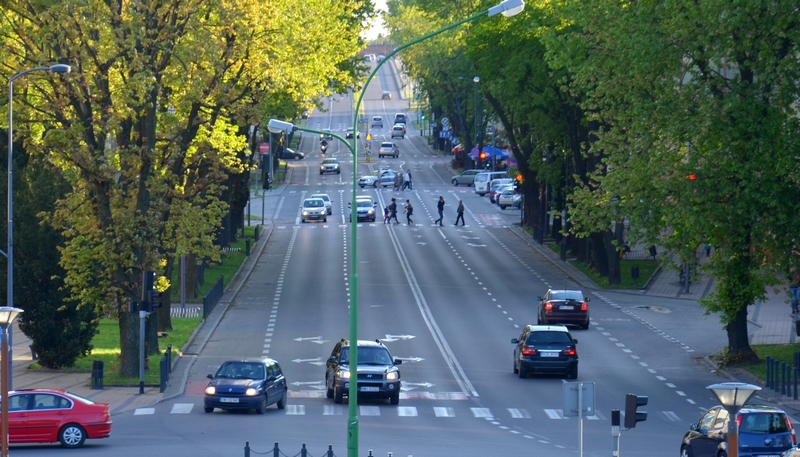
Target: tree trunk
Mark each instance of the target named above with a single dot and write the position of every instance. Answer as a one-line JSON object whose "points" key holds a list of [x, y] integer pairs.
{"points": [[738, 342], [129, 344]]}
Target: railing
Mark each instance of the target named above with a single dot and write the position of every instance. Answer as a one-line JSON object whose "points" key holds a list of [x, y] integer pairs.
{"points": [[212, 297], [276, 452], [782, 377]]}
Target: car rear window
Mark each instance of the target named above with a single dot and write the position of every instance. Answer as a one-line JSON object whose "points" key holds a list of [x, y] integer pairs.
{"points": [[547, 338], [566, 295], [764, 422]]}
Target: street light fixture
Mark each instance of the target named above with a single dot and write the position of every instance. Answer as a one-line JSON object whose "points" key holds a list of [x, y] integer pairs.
{"points": [[57, 68], [507, 8], [733, 396], [7, 316]]}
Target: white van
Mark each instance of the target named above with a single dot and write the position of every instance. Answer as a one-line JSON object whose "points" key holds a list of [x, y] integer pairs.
{"points": [[483, 180]]}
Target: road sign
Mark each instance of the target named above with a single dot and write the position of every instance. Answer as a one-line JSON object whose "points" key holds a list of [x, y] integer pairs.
{"points": [[445, 122], [263, 148], [578, 393]]}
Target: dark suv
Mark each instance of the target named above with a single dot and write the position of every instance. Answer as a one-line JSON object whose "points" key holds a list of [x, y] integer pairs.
{"points": [[545, 349], [763, 431], [378, 377]]}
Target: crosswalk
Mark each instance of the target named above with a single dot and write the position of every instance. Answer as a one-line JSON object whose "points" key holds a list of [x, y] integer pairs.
{"points": [[326, 409]]}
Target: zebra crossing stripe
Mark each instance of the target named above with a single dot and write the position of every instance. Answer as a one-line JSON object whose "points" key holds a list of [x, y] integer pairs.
{"points": [[519, 413], [182, 408], [442, 411], [482, 412], [407, 411], [295, 410], [144, 411]]}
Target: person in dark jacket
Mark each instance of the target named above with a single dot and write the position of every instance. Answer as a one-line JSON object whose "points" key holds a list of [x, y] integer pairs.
{"points": [[409, 211], [393, 211], [440, 208], [460, 212]]}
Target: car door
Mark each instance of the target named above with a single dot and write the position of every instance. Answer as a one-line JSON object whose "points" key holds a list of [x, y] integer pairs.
{"points": [[706, 436], [277, 384], [45, 417], [331, 365], [18, 411]]}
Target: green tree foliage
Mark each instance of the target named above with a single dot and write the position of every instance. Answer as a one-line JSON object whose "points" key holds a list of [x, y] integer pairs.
{"points": [[150, 120], [698, 104]]}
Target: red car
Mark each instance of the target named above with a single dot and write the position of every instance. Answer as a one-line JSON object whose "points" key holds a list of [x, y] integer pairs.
{"points": [[49, 416]]}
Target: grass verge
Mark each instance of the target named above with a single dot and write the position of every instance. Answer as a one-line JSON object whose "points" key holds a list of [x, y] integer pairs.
{"points": [[780, 352], [646, 269]]}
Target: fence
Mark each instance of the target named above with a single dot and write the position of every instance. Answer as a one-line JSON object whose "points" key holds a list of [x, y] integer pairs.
{"points": [[782, 378], [213, 296], [276, 452]]}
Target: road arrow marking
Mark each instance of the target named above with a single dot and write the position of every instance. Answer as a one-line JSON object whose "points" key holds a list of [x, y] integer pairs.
{"points": [[312, 339], [410, 359], [471, 237], [306, 383], [422, 243], [389, 338], [418, 384], [316, 361], [476, 245]]}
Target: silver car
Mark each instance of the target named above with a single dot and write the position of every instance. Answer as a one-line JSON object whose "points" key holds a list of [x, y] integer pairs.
{"points": [[326, 199], [467, 178], [330, 166], [314, 209]]}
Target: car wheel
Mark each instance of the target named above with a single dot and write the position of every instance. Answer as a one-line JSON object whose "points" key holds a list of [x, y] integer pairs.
{"points": [[72, 436], [337, 395], [515, 367], [296, 157], [455, 182], [395, 399], [375, 185], [262, 408], [303, 221], [330, 211], [361, 186], [339, 172], [585, 326], [502, 206], [573, 374], [282, 401], [685, 452], [522, 373], [325, 220], [321, 173], [208, 410], [539, 320], [328, 390]]}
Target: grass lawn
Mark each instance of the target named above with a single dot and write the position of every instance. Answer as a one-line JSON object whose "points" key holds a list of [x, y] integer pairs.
{"points": [[781, 352], [646, 270]]}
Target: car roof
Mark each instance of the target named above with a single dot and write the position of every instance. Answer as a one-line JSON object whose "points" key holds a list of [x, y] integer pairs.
{"points": [[365, 343], [322, 196], [397, 126], [387, 143], [548, 328], [377, 117]]}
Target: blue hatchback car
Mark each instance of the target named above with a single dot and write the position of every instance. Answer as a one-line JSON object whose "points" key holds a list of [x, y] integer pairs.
{"points": [[246, 384], [764, 431]]}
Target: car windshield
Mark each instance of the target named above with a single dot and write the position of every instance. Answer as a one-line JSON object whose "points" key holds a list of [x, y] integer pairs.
{"points": [[321, 197], [364, 203], [567, 295], [386, 145], [547, 338], [241, 370], [368, 356], [329, 161], [763, 422], [316, 203]]}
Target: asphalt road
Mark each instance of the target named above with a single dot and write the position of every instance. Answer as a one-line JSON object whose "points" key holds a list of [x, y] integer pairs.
{"points": [[447, 300]]}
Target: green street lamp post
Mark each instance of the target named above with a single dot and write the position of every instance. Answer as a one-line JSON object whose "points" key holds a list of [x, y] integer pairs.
{"points": [[57, 68]]}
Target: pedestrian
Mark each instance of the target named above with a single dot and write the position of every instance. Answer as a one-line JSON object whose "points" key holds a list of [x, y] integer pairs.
{"points": [[398, 180], [393, 211], [406, 181], [794, 289], [708, 250], [460, 212], [410, 182], [440, 208], [385, 214], [409, 211]]}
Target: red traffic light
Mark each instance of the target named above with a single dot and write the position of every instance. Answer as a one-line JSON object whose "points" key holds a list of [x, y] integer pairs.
{"points": [[483, 156]]}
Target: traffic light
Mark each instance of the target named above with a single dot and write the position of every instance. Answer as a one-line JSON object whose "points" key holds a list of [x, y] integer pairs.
{"points": [[422, 117], [632, 402], [482, 156], [151, 298]]}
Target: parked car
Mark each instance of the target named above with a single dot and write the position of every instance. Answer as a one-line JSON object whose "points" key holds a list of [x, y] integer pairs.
{"points": [[545, 349], [52, 415], [388, 149], [291, 154], [330, 165], [377, 121], [506, 198], [246, 384], [466, 178], [386, 95], [326, 199], [398, 131], [567, 307], [484, 178], [313, 208], [763, 431], [495, 186], [377, 374], [365, 209]]}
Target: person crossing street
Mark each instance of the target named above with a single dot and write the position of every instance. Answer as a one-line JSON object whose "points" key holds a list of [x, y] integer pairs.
{"points": [[460, 212], [440, 208]]}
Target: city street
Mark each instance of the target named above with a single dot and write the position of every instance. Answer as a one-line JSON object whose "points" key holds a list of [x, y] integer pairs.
{"points": [[447, 301]]}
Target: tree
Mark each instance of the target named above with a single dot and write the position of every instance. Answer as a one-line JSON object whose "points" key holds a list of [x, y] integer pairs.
{"points": [[685, 89]]}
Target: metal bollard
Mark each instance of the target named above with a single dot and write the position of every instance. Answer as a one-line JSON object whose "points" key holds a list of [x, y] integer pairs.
{"points": [[769, 359], [783, 378], [794, 381], [162, 364], [246, 449], [169, 357], [97, 374], [275, 451], [330, 450], [303, 451], [256, 236], [247, 247]]}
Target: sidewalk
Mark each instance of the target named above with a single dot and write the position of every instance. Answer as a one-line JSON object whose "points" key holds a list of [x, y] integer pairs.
{"points": [[121, 399]]}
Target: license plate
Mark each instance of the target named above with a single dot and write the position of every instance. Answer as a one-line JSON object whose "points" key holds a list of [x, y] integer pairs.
{"points": [[568, 307], [549, 354], [228, 400], [369, 389]]}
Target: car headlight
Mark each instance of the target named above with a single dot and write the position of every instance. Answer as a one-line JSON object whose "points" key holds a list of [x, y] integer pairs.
{"points": [[370, 212], [344, 375], [211, 390], [305, 213], [392, 376], [336, 167], [251, 392]]}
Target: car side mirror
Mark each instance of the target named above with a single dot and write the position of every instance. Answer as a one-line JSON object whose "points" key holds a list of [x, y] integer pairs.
{"points": [[514, 341], [539, 298], [574, 341], [398, 361], [211, 376], [587, 299], [693, 427], [332, 359]]}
